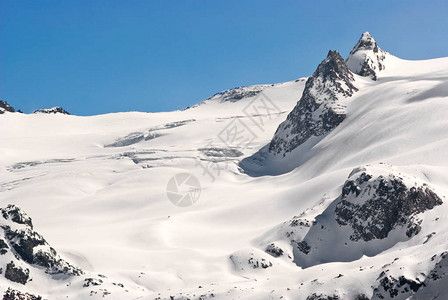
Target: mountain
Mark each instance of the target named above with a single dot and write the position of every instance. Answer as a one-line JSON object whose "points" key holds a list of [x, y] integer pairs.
{"points": [[348, 204], [321, 107], [366, 58], [5, 107], [53, 110]]}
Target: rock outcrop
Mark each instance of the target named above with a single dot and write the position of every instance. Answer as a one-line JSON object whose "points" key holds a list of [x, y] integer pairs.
{"points": [[321, 107], [23, 249], [53, 110], [377, 208], [5, 107]]}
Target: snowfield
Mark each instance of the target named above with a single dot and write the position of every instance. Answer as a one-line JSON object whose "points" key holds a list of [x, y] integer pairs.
{"points": [[265, 226]]}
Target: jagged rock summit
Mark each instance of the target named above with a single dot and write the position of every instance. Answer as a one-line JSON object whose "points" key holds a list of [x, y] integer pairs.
{"points": [[5, 107], [321, 107], [53, 110], [366, 58]]}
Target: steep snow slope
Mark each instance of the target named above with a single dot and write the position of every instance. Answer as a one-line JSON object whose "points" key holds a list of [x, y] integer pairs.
{"points": [[96, 190]]}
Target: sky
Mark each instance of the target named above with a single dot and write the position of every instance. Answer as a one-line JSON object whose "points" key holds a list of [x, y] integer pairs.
{"points": [[102, 56]]}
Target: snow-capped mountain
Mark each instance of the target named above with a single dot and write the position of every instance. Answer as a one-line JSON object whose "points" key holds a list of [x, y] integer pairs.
{"points": [[321, 108], [367, 59], [5, 107], [53, 110], [331, 186]]}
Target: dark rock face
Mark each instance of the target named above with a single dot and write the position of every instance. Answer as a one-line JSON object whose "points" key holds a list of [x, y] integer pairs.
{"points": [[11, 294], [322, 297], [15, 214], [16, 273], [378, 207], [391, 287], [318, 111], [390, 204], [303, 247], [366, 58], [54, 110], [28, 245], [273, 250], [4, 106]]}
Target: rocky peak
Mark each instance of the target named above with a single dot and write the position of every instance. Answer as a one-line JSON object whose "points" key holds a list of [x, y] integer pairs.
{"points": [[378, 205], [366, 42], [320, 109], [5, 107], [333, 69], [366, 58], [53, 110]]}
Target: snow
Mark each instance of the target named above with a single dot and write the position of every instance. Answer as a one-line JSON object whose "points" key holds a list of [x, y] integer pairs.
{"points": [[105, 209]]}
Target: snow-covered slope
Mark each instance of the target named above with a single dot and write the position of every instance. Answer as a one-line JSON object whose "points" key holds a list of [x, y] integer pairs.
{"points": [[353, 213]]}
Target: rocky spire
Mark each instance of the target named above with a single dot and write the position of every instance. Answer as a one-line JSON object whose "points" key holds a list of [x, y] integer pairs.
{"points": [[366, 58], [319, 110]]}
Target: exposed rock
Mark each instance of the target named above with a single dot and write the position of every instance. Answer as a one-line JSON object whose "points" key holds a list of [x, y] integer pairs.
{"points": [[388, 203], [273, 250], [5, 107], [92, 282], [11, 294], [17, 273], [16, 215], [3, 247], [391, 287], [320, 109], [29, 245], [246, 261], [374, 201], [53, 110], [303, 247], [322, 297], [238, 93], [366, 58]]}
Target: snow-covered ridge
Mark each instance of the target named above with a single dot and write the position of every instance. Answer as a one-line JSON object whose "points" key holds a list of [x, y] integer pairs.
{"points": [[53, 110]]}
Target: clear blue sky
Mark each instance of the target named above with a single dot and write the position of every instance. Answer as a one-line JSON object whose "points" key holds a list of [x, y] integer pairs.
{"points": [[92, 56]]}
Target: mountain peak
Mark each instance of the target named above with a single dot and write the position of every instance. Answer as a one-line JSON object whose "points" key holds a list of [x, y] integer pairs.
{"points": [[366, 58], [53, 110], [5, 107], [366, 42], [319, 110], [334, 68]]}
